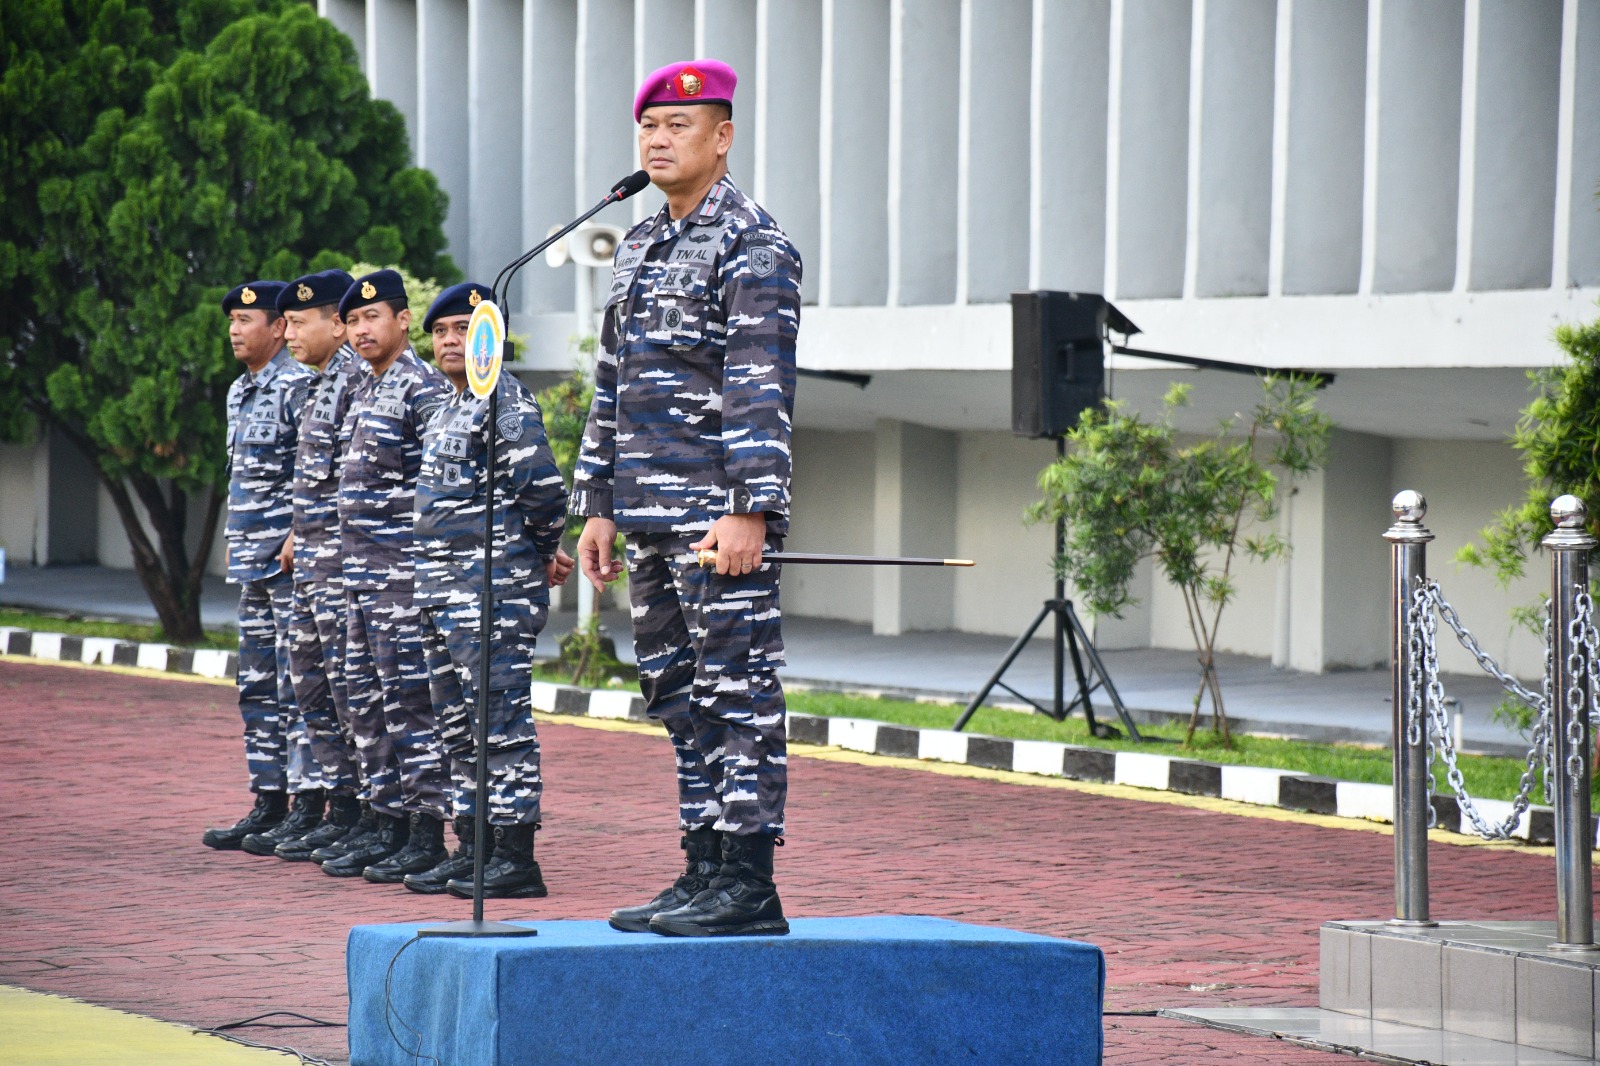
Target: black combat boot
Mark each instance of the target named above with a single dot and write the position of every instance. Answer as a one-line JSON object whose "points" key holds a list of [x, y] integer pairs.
{"points": [[356, 836], [741, 901], [305, 814], [702, 850], [389, 838], [342, 815], [423, 851], [509, 871], [432, 882], [269, 810]]}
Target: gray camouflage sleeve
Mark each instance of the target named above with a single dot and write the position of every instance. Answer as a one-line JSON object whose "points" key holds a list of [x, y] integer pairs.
{"points": [[592, 477], [536, 487], [760, 282]]}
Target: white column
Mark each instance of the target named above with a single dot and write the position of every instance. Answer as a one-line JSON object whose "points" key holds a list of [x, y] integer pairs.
{"points": [[351, 18], [1323, 146], [442, 114], [1068, 130], [494, 133], [1411, 236], [607, 146], [1581, 129], [549, 142], [392, 60], [997, 83], [726, 30], [1230, 210], [914, 514], [855, 135], [923, 223], [663, 32], [788, 127], [1151, 144]]}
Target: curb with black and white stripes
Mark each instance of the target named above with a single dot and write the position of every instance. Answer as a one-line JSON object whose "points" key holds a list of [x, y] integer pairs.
{"points": [[1245, 784]]}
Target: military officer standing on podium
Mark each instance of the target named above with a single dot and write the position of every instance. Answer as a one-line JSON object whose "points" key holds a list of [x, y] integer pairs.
{"points": [[687, 448], [396, 733], [263, 417], [316, 337], [530, 515]]}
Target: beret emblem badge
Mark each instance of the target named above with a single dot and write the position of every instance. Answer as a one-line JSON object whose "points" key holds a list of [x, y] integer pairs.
{"points": [[248, 296], [690, 83], [473, 299], [304, 292], [368, 290]]}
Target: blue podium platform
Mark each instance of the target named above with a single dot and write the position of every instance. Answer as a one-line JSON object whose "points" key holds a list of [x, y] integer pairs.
{"points": [[835, 990]]}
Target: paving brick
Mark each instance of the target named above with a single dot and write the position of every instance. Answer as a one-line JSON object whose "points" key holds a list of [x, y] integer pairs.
{"points": [[1192, 907]]}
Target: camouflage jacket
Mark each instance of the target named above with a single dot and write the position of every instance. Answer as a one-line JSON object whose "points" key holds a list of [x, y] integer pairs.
{"points": [[530, 500], [694, 387], [263, 420], [323, 440], [378, 477]]}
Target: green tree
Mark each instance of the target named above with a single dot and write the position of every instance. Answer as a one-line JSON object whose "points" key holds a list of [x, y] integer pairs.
{"points": [[1128, 490], [157, 154]]}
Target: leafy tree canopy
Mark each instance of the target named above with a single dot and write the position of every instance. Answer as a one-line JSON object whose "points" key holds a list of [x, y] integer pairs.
{"points": [[158, 154]]}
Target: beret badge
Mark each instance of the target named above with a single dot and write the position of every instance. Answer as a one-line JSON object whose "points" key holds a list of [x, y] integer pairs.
{"points": [[474, 300], [304, 292], [248, 296], [690, 82], [368, 290]]}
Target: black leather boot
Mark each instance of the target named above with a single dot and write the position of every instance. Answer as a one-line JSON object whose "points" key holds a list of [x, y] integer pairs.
{"points": [[305, 814], [741, 901], [509, 872], [342, 815], [357, 835], [392, 830], [431, 882], [269, 810], [423, 851], [702, 851]]}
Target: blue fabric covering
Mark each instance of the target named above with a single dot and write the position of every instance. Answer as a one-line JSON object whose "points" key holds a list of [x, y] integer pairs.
{"points": [[835, 990]]}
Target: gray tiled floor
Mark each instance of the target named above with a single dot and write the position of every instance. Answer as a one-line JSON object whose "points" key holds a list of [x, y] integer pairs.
{"points": [[1344, 705], [1349, 1034]]}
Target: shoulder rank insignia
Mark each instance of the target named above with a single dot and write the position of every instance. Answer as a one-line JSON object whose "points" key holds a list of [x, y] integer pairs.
{"points": [[248, 296], [510, 427]]}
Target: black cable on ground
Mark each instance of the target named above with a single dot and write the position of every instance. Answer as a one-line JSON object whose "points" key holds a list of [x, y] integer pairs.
{"points": [[255, 1020], [305, 1059], [390, 1013]]}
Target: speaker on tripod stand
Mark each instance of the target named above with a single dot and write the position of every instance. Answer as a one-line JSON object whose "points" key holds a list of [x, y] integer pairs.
{"points": [[1058, 346]]}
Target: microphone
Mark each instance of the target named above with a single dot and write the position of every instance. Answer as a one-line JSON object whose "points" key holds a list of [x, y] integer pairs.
{"points": [[623, 189]]}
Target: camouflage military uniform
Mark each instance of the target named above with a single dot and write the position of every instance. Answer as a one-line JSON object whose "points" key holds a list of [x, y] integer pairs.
{"points": [[530, 514], [263, 415], [316, 645], [396, 732], [691, 421]]}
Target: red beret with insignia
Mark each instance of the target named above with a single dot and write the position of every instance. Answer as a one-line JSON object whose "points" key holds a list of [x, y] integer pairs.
{"points": [[699, 81]]}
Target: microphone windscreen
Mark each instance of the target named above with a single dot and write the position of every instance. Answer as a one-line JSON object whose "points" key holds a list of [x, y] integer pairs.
{"points": [[631, 184]]}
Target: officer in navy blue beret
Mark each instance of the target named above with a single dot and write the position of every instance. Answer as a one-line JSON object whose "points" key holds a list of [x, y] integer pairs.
{"points": [[530, 516], [263, 432], [391, 712]]}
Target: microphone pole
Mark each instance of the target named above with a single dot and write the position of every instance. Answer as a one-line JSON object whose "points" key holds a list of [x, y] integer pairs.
{"points": [[623, 189]]}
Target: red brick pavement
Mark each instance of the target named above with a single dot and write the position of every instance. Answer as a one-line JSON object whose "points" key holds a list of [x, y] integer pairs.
{"points": [[108, 780]]}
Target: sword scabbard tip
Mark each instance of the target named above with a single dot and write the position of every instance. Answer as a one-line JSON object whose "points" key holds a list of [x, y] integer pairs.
{"points": [[959, 562]]}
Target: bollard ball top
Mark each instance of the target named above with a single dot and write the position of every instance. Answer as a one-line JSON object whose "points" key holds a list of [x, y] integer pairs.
{"points": [[1568, 512], [1409, 506]]}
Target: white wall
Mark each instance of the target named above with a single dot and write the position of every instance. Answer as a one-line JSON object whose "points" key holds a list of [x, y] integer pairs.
{"points": [[832, 498], [19, 511]]}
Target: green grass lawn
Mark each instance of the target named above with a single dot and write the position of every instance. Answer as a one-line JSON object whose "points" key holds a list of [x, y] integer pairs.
{"points": [[79, 627]]}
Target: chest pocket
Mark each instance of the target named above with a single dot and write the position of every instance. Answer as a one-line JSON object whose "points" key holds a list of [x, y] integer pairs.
{"points": [[680, 309]]}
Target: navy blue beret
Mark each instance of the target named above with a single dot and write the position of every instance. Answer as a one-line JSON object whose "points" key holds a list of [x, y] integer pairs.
{"points": [[380, 286], [253, 296], [460, 299], [314, 290]]}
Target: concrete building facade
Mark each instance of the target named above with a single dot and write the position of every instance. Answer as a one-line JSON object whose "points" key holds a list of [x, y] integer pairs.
{"points": [[1401, 192]]}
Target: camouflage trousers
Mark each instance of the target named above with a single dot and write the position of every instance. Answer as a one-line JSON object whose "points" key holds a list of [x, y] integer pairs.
{"points": [[391, 714], [450, 638], [316, 667], [275, 750], [709, 647]]}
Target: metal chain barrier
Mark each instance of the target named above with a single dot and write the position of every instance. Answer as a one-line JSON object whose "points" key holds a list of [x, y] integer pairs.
{"points": [[1428, 721], [1583, 642]]}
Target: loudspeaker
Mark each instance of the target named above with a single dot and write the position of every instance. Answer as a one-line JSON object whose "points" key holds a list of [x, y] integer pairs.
{"points": [[1057, 359]]}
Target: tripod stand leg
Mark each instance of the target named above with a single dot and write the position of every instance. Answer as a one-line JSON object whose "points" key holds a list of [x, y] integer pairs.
{"points": [[1068, 620], [1005, 664], [1105, 676]]}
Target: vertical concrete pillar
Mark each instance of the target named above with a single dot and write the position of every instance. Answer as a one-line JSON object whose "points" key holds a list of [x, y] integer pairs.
{"points": [[996, 79], [607, 145], [914, 514], [441, 143], [67, 530], [787, 109], [1323, 146], [392, 57], [1580, 129], [1068, 130], [351, 18], [663, 32], [549, 141], [494, 134], [1231, 182], [924, 95], [726, 30], [855, 152]]}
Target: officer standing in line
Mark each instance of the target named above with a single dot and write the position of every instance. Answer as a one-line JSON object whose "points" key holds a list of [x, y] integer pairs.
{"points": [[396, 733], [687, 448], [263, 418], [316, 338], [530, 516]]}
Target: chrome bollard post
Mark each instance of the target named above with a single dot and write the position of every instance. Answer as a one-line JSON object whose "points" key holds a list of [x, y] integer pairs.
{"points": [[1569, 546], [1408, 544]]}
